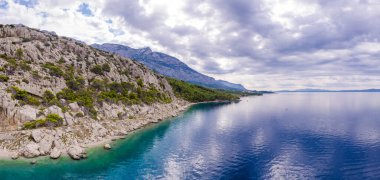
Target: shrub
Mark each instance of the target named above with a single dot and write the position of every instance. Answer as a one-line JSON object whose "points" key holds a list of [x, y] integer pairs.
{"points": [[79, 114], [98, 84], [19, 53], [75, 83], [61, 61], [140, 82], [3, 78], [100, 69], [53, 69], [36, 75], [97, 69], [54, 120], [48, 97], [51, 120], [24, 66], [25, 81], [106, 67], [23, 96]]}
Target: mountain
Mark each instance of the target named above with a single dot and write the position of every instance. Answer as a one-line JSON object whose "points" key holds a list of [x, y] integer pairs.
{"points": [[323, 90], [169, 66]]}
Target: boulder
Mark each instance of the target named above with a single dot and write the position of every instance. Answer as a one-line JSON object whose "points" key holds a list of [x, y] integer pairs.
{"points": [[27, 113], [55, 153], [46, 144], [74, 106], [31, 150], [107, 146], [69, 119], [37, 135], [15, 155], [54, 110], [76, 152]]}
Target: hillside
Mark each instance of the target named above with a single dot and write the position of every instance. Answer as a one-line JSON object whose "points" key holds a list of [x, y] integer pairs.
{"points": [[169, 66], [72, 94], [59, 95]]}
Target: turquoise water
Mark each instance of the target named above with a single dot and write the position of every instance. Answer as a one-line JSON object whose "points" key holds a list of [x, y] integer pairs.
{"points": [[292, 136]]}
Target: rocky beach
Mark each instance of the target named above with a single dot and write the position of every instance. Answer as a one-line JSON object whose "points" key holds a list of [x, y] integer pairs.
{"points": [[73, 140]]}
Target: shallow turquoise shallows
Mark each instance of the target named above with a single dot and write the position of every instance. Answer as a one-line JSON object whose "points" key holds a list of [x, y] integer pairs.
{"points": [[292, 135]]}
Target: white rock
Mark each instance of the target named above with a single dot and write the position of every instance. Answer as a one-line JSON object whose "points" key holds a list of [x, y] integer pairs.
{"points": [[74, 106], [54, 110], [15, 155], [37, 135], [69, 119], [31, 150], [27, 113], [76, 152], [55, 153], [107, 146], [46, 144]]}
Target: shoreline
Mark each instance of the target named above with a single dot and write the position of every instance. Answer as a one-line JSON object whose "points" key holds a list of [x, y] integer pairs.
{"points": [[110, 131]]}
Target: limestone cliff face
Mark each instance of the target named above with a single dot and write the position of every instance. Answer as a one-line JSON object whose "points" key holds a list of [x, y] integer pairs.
{"points": [[26, 58]]}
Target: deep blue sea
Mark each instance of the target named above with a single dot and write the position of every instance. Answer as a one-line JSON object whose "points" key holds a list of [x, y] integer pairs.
{"points": [[275, 136]]}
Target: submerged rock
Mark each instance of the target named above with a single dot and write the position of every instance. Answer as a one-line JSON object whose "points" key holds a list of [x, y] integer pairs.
{"points": [[107, 146]]}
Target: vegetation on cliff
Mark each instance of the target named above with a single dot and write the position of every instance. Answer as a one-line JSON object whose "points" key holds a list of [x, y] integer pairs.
{"points": [[195, 93]]}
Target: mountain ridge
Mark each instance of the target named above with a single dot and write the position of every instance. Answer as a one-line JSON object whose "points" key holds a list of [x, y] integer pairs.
{"points": [[168, 65]]}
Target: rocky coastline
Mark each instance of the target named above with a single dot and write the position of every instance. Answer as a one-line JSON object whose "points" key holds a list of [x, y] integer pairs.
{"points": [[75, 139]]}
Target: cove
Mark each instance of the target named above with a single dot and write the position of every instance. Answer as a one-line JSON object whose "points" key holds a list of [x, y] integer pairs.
{"points": [[289, 135]]}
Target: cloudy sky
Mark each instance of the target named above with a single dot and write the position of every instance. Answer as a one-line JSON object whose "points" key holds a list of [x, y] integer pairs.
{"points": [[265, 45]]}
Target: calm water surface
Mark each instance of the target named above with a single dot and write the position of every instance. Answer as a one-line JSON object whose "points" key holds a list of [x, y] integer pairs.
{"points": [[291, 136]]}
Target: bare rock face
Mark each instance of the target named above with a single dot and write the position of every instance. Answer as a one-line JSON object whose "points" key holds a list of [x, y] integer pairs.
{"points": [[55, 153], [76, 152], [46, 144], [26, 113], [31, 150], [37, 135]]}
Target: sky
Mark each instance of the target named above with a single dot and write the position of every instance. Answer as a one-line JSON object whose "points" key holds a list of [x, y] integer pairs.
{"points": [[264, 45]]}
